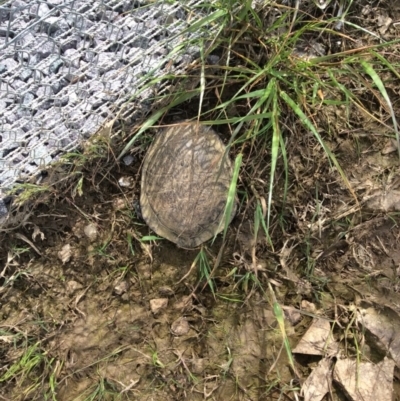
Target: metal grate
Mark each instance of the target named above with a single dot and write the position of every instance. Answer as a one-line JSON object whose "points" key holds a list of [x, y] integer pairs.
{"points": [[67, 66]]}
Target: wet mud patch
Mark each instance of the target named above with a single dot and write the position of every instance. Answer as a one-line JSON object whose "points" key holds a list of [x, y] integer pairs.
{"points": [[103, 330]]}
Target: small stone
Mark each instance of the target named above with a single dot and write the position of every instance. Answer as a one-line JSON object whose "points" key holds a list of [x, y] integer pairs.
{"points": [[17, 84], [70, 73], [95, 102], [9, 64], [114, 87], [308, 306], [91, 232], [55, 66], [28, 98], [197, 366], [157, 304], [126, 182], [293, 315], [74, 58], [73, 285], [121, 288], [58, 86], [55, 2], [12, 138], [390, 147], [9, 175], [39, 9], [65, 253], [90, 125], [128, 160], [119, 204], [180, 327], [53, 24], [71, 42], [3, 208], [44, 91], [25, 74], [46, 47], [40, 155], [3, 105], [106, 61]]}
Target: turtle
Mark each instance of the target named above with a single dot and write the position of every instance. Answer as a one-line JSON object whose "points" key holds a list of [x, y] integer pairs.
{"points": [[185, 180]]}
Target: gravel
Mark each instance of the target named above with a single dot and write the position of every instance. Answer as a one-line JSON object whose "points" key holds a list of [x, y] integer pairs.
{"points": [[66, 64]]}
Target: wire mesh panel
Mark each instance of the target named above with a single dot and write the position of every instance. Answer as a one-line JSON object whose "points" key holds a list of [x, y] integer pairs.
{"points": [[67, 66]]}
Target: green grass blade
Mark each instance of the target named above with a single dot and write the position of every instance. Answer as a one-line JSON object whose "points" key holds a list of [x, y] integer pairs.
{"points": [[309, 125], [281, 323], [155, 117], [276, 134], [202, 79], [369, 69], [232, 193]]}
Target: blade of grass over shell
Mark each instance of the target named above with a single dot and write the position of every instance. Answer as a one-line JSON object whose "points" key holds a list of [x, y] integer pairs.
{"points": [[202, 80], [148, 238], [231, 199], [226, 71], [369, 69], [255, 94]]}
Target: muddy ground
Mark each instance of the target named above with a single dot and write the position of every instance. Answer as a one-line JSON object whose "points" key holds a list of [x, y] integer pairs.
{"points": [[90, 311]]}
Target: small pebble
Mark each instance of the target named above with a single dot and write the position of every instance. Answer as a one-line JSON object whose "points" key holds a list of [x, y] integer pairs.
{"points": [[126, 182], [197, 365], [180, 327], [65, 253], [73, 285], [121, 288], [119, 204], [3, 208], [91, 232], [157, 304], [128, 160]]}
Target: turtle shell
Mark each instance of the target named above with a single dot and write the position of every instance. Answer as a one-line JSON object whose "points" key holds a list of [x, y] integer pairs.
{"points": [[186, 175]]}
